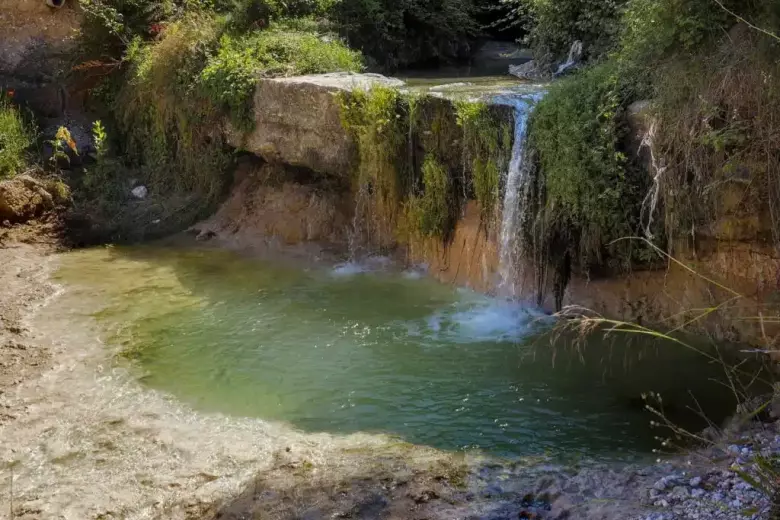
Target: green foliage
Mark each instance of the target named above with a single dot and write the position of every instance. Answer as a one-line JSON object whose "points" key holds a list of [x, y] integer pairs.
{"points": [[171, 129], [431, 213], [399, 33], [486, 148], [654, 28], [231, 73], [16, 137], [554, 24], [100, 139], [588, 195]]}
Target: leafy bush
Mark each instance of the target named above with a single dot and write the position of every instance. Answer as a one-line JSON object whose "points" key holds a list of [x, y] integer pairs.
{"points": [[400, 33], [230, 75], [588, 195], [16, 137]]}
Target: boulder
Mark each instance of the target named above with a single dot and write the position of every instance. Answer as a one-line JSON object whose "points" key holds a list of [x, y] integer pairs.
{"points": [[23, 198], [297, 121], [529, 71]]}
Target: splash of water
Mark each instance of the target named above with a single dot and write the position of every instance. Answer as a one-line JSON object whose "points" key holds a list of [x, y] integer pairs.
{"points": [[510, 244]]}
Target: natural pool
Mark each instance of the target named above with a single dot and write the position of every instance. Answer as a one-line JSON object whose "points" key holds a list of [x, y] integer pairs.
{"points": [[376, 349]]}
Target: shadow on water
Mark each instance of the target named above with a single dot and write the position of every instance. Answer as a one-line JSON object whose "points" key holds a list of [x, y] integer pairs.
{"points": [[383, 352]]}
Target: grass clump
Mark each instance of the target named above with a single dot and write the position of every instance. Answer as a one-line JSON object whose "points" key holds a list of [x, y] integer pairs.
{"points": [[16, 138]]}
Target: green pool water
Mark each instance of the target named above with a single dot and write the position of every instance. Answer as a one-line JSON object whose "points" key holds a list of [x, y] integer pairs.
{"points": [[374, 349]]}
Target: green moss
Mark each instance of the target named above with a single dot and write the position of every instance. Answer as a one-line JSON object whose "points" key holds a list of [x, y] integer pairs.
{"points": [[378, 121], [430, 213], [487, 143]]}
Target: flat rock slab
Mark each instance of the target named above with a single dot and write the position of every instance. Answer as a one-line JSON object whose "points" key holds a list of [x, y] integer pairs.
{"points": [[298, 122]]}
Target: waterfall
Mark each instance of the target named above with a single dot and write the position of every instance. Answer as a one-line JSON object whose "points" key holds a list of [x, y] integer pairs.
{"points": [[512, 217], [575, 55]]}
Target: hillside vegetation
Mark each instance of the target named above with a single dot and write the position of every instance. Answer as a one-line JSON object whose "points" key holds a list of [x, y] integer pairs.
{"points": [[711, 72]]}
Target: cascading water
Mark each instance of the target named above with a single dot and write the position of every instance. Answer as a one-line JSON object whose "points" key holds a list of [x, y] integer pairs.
{"points": [[575, 55], [515, 187]]}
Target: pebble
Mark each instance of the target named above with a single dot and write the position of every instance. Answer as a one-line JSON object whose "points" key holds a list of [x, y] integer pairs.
{"points": [[695, 482]]}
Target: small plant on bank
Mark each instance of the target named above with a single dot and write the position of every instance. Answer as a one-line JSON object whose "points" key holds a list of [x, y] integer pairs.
{"points": [[16, 138]]}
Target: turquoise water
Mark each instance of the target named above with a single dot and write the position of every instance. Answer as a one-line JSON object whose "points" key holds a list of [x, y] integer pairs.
{"points": [[352, 348]]}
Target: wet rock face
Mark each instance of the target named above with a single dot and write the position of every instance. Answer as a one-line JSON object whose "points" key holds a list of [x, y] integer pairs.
{"points": [[297, 121], [23, 198]]}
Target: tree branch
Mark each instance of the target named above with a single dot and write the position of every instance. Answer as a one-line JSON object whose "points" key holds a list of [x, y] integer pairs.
{"points": [[738, 17]]}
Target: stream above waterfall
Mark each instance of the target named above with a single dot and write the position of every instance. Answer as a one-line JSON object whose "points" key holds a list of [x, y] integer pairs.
{"points": [[372, 348]]}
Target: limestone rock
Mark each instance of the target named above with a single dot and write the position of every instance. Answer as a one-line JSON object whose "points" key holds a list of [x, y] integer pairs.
{"points": [[297, 121], [529, 71], [23, 198]]}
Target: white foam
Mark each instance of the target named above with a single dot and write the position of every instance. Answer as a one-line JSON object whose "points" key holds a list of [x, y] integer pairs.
{"points": [[481, 320], [349, 269]]}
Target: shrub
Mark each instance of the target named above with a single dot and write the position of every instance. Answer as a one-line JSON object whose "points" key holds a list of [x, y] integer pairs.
{"points": [[588, 195], [400, 33], [16, 137]]}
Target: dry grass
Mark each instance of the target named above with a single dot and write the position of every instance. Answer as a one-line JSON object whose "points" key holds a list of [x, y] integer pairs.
{"points": [[718, 129]]}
